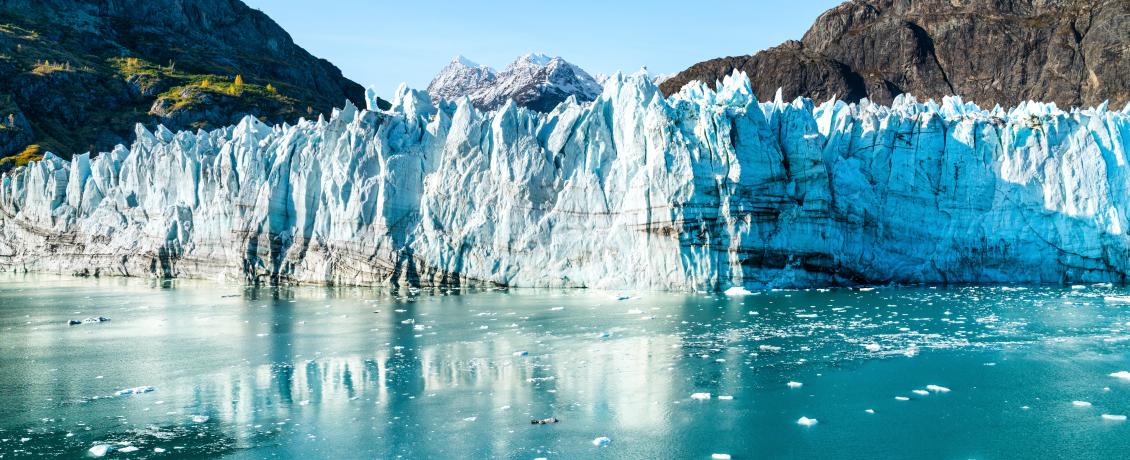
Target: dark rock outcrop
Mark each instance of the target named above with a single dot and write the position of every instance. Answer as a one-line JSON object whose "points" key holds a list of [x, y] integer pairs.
{"points": [[81, 73], [1072, 52]]}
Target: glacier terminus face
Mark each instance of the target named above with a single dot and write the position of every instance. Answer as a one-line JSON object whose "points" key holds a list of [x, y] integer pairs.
{"points": [[703, 190]]}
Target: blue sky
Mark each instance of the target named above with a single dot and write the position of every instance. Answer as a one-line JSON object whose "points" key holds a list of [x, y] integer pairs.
{"points": [[384, 43]]}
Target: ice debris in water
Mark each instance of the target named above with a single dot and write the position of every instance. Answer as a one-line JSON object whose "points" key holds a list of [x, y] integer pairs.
{"points": [[1124, 375], [1080, 403], [902, 398], [719, 456], [806, 421], [937, 389], [134, 391], [872, 347], [700, 396], [794, 384], [725, 398], [1116, 418], [199, 418], [737, 291], [100, 450], [870, 411], [91, 320], [601, 441], [128, 449], [920, 392]]}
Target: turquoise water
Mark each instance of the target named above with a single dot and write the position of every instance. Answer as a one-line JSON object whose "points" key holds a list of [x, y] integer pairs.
{"points": [[363, 373]]}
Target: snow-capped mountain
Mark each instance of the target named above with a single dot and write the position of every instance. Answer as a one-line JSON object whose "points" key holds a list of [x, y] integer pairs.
{"points": [[706, 189], [534, 81]]}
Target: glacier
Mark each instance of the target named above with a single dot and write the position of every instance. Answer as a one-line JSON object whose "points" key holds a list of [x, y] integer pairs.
{"points": [[705, 190]]}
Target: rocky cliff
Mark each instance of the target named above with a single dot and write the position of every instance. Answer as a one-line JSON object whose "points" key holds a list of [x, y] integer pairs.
{"points": [[76, 75], [1072, 52], [703, 190]]}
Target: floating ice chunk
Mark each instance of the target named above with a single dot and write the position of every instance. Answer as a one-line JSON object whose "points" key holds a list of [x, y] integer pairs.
{"points": [[768, 348], [128, 449], [720, 456], [1077, 287], [602, 441], [700, 396], [556, 308], [937, 388], [737, 291], [806, 421], [158, 450], [134, 391], [1115, 418], [866, 289], [873, 347], [470, 419], [1117, 299], [100, 450], [725, 398], [870, 411], [199, 418], [794, 384], [920, 392], [635, 311], [1124, 375], [902, 398], [1080, 404], [521, 353]]}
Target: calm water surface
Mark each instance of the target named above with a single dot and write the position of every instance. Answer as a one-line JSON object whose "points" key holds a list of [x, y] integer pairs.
{"points": [[363, 373]]}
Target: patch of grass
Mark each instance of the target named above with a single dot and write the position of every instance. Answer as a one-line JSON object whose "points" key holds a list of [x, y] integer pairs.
{"points": [[32, 153]]}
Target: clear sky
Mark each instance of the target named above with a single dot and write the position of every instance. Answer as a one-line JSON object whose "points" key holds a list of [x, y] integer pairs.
{"points": [[383, 43]]}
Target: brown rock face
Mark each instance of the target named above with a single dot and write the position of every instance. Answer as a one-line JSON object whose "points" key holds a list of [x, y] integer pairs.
{"points": [[1072, 52], [77, 75]]}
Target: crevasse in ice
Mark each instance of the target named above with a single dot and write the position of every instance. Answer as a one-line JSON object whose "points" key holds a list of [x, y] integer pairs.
{"points": [[703, 190]]}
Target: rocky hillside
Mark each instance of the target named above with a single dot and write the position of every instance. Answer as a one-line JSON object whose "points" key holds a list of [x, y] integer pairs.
{"points": [[76, 75], [1072, 52], [535, 81]]}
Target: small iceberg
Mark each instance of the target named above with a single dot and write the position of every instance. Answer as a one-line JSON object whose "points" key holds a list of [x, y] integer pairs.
{"points": [[870, 411], [602, 441], [921, 392], [128, 449], [1117, 299], [700, 396], [794, 384], [719, 456], [902, 398], [1080, 404], [1114, 418], [737, 291], [1124, 375], [937, 388], [725, 398], [100, 450], [873, 347], [805, 421], [91, 320], [134, 391], [199, 418]]}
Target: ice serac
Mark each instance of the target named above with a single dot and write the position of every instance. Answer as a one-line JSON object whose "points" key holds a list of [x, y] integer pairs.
{"points": [[703, 190]]}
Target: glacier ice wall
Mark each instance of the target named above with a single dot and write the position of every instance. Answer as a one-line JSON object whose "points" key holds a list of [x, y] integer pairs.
{"points": [[703, 190]]}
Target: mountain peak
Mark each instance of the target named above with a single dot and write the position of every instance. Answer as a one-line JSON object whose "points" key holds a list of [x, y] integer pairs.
{"points": [[460, 59], [534, 80]]}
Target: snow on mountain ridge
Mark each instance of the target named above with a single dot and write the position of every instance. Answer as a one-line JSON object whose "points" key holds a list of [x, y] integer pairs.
{"points": [[535, 81], [703, 190]]}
